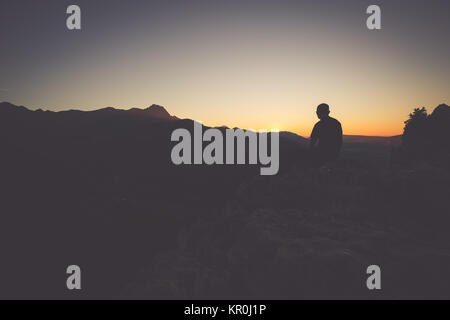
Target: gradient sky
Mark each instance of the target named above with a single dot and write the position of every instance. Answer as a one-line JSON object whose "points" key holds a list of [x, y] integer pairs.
{"points": [[250, 63]]}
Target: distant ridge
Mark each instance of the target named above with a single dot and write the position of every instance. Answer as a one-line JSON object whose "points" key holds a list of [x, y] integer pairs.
{"points": [[158, 112], [294, 137], [154, 111], [6, 106], [391, 141]]}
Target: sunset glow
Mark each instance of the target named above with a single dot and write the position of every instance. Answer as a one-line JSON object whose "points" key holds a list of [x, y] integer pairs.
{"points": [[232, 63]]}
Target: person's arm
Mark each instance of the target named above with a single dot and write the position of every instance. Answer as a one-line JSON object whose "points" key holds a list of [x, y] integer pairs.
{"points": [[340, 136], [314, 137]]}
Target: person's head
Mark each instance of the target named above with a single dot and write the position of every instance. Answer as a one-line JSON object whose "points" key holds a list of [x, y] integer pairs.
{"points": [[323, 110]]}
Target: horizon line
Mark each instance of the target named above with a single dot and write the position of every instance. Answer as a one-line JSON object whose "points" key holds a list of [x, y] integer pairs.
{"points": [[46, 109]]}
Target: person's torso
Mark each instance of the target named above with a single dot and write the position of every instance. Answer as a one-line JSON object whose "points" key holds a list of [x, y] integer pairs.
{"points": [[329, 133]]}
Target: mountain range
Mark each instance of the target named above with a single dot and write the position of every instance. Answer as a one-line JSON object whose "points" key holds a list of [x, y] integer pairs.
{"points": [[159, 112]]}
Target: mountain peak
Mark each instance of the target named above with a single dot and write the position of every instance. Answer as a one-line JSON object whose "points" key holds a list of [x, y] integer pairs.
{"points": [[154, 111], [158, 111]]}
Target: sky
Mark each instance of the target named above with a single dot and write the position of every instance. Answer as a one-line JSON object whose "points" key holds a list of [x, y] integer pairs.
{"points": [[254, 64]]}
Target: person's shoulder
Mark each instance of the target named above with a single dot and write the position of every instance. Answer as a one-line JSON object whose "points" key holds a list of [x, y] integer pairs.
{"points": [[335, 121], [318, 123]]}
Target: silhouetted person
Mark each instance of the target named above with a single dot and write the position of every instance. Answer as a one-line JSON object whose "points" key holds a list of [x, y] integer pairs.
{"points": [[326, 137]]}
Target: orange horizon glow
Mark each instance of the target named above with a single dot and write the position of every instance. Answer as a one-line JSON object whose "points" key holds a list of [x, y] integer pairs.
{"points": [[351, 124], [305, 132]]}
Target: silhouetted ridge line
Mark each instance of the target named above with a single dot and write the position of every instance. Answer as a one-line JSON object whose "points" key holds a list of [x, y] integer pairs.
{"points": [[154, 111], [6, 106]]}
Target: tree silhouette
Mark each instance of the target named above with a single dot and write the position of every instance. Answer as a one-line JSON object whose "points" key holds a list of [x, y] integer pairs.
{"points": [[427, 137], [415, 133]]}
